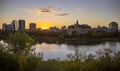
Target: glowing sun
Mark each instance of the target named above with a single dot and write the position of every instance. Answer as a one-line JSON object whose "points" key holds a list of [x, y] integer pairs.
{"points": [[44, 28]]}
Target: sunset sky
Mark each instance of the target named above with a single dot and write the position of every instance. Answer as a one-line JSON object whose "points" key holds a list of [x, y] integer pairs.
{"points": [[47, 13]]}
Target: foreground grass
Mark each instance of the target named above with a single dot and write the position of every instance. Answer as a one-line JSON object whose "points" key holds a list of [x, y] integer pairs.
{"points": [[15, 62]]}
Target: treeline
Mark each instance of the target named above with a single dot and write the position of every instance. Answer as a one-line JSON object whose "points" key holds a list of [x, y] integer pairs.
{"points": [[73, 39]]}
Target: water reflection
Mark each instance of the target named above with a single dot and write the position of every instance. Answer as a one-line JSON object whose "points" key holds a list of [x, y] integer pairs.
{"points": [[54, 51]]}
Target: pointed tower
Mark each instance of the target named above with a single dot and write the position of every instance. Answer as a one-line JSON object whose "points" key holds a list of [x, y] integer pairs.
{"points": [[77, 22]]}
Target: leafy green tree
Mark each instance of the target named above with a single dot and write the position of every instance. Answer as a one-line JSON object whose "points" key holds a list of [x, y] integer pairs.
{"points": [[20, 42]]}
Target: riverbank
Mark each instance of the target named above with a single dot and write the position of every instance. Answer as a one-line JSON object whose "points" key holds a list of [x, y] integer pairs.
{"points": [[90, 38], [14, 62], [76, 41]]}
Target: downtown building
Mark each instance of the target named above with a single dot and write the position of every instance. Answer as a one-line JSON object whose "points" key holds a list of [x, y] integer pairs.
{"points": [[32, 27], [113, 27], [101, 28], [21, 25], [78, 28], [4, 27], [10, 27]]}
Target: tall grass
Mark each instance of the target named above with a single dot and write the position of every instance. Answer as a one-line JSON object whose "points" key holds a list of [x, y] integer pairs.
{"points": [[15, 62]]}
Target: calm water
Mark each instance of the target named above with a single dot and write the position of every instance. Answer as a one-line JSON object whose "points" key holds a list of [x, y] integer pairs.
{"points": [[54, 51]]}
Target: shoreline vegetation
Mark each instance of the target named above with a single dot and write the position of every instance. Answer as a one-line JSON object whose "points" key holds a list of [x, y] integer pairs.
{"points": [[90, 38], [78, 61], [18, 56]]}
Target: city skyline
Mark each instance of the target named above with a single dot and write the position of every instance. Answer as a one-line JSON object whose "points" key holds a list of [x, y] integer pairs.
{"points": [[18, 24], [48, 13], [73, 28]]}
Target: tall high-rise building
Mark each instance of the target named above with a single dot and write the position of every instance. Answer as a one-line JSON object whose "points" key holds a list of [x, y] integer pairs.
{"points": [[21, 25], [4, 26], [32, 27], [14, 23], [113, 27]]}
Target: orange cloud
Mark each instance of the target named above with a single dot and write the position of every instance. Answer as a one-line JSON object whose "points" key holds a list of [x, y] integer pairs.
{"points": [[48, 10], [64, 14], [43, 10]]}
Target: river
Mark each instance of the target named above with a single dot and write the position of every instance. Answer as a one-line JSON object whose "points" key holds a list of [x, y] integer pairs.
{"points": [[55, 51]]}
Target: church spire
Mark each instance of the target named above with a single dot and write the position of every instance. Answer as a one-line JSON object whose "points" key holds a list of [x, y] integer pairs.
{"points": [[77, 21]]}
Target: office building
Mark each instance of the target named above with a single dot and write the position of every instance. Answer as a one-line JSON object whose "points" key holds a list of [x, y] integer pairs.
{"points": [[113, 27], [4, 26], [32, 27], [21, 25]]}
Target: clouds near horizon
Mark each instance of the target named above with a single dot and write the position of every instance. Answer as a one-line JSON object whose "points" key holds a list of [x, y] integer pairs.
{"points": [[62, 14], [48, 10]]}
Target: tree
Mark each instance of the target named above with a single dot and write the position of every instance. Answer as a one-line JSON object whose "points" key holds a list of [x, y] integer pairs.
{"points": [[20, 42]]}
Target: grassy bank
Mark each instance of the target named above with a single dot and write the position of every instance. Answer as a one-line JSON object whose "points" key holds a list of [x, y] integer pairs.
{"points": [[14, 62]]}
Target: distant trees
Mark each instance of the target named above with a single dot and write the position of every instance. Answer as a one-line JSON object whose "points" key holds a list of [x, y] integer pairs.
{"points": [[89, 38]]}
